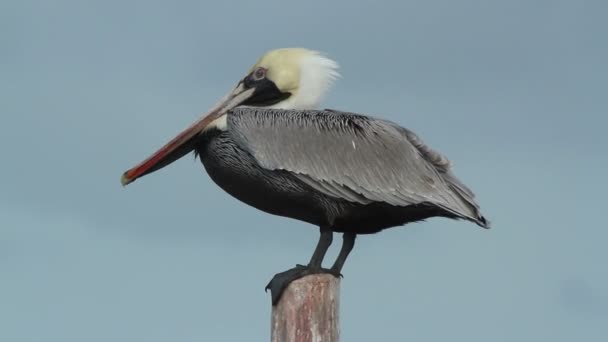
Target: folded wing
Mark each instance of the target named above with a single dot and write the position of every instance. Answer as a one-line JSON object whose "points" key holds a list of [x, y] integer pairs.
{"points": [[352, 157]]}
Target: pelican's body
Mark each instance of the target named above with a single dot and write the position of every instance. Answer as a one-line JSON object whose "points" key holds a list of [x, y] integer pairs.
{"points": [[267, 145], [286, 189]]}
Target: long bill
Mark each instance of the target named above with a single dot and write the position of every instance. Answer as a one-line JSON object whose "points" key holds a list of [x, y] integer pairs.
{"points": [[185, 142]]}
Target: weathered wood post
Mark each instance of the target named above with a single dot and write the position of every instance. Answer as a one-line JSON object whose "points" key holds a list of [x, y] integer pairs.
{"points": [[308, 311]]}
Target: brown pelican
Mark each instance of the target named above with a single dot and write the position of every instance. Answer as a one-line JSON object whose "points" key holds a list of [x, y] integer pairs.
{"points": [[266, 144]]}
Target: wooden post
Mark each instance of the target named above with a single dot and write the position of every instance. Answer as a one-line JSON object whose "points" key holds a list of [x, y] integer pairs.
{"points": [[308, 311]]}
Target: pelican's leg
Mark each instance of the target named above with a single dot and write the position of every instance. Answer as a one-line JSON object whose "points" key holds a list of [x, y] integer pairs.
{"points": [[280, 281], [325, 239], [347, 245]]}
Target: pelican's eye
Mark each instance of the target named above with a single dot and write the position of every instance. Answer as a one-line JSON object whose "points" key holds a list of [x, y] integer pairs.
{"points": [[259, 73]]}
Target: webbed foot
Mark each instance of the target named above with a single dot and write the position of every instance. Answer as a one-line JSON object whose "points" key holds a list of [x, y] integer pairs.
{"points": [[280, 281]]}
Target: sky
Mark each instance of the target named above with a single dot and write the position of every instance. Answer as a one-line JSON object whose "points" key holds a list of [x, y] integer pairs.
{"points": [[513, 92]]}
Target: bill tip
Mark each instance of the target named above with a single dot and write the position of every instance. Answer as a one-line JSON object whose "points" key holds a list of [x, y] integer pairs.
{"points": [[124, 179]]}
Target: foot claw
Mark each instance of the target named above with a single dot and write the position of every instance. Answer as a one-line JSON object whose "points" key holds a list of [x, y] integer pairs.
{"points": [[336, 273]]}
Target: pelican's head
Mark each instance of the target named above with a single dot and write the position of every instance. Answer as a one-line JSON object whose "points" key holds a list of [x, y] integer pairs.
{"points": [[293, 78], [290, 78]]}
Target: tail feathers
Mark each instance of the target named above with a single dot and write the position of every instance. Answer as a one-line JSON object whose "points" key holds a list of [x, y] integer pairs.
{"points": [[478, 219], [483, 222], [468, 198]]}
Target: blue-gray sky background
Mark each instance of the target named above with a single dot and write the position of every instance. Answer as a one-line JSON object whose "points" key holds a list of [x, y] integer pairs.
{"points": [[514, 92]]}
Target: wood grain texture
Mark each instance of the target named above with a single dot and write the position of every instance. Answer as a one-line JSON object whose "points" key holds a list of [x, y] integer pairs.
{"points": [[308, 311]]}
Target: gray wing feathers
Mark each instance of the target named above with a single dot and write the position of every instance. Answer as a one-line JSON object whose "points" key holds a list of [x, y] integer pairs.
{"points": [[443, 165], [333, 189], [438, 160], [353, 157]]}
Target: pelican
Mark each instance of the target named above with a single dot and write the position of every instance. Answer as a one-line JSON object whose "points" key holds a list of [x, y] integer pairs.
{"points": [[267, 144]]}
